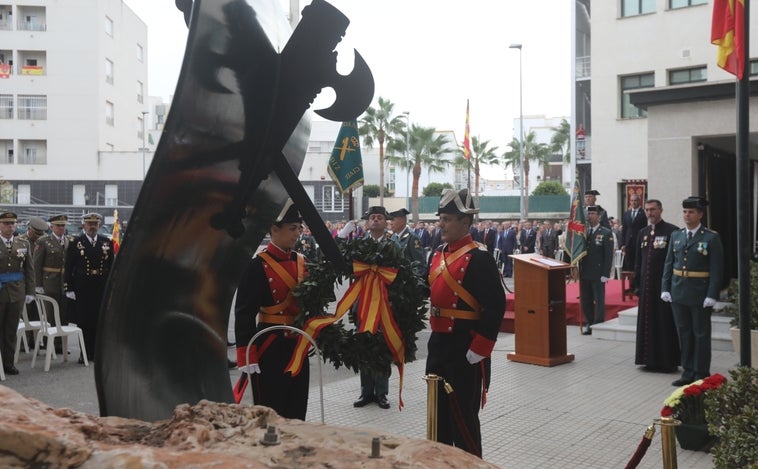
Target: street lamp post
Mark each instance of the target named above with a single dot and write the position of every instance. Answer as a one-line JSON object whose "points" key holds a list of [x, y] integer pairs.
{"points": [[407, 156], [144, 113], [522, 190]]}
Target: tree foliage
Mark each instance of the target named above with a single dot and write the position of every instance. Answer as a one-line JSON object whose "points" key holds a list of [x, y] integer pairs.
{"points": [[378, 124], [549, 188], [434, 189]]}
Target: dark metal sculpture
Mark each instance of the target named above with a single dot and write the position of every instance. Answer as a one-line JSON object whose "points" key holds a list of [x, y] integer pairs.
{"points": [[227, 161]]}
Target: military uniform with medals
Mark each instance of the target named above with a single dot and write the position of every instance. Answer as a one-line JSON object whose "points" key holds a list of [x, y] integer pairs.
{"points": [[49, 262], [411, 246], [593, 268]]}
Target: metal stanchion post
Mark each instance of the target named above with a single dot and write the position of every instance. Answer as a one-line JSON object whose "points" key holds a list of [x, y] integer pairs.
{"points": [[432, 387], [668, 442]]}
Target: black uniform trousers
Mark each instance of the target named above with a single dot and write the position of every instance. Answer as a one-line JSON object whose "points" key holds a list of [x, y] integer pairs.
{"points": [[274, 388], [447, 359], [89, 296]]}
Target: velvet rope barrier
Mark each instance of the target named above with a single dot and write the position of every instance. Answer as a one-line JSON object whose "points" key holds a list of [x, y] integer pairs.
{"points": [[647, 438]]}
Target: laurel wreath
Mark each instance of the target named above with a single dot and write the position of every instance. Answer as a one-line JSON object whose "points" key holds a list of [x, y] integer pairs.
{"points": [[339, 343]]}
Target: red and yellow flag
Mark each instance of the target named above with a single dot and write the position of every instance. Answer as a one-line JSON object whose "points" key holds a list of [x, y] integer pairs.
{"points": [[467, 138], [116, 233], [728, 33]]}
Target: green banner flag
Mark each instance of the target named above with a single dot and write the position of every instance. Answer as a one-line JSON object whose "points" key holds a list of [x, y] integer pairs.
{"points": [[576, 232], [345, 164]]}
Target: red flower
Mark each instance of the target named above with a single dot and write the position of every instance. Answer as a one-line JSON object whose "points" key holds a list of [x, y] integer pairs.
{"points": [[692, 391], [667, 411]]}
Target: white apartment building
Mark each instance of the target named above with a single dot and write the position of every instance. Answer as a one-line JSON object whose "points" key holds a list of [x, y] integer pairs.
{"points": [[73, 99], [658, 112]]}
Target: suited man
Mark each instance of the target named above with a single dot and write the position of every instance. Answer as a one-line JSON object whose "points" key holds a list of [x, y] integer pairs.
{"points": [[595, 269], [549, 244], [528, 238], [508, 244], [436, 237], [408, 240], [632, 221], [49, 260], [88, 262], [691, 282], [590, 200], [489, 236]]}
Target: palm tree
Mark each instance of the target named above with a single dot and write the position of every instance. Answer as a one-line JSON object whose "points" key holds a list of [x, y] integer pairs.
{"points": [[379, 124], [539, 152], [426, 148], [560, 142], [481, 154]]}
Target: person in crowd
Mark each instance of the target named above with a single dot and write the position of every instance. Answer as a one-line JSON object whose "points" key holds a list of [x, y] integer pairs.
{"points": [[691, 282], [590, 200], [467, 306], [508, 244], [306, 244], [632, 221], [528, 240], [595, 269], [373, 388], [17, 279], [49, 261], [657, 343], [265, 294], [36, 228], [549, 244], [89, 258], [408, 241]]}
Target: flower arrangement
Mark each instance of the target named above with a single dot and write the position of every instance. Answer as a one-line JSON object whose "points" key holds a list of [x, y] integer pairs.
{"points": [[687, 403]]}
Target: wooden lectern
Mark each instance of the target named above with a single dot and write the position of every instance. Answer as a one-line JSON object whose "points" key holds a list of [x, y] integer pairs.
{"points": [[540, 304]]}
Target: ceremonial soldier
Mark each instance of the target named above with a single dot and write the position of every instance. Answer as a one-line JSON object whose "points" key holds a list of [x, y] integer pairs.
{"points": [[16, 286], [49, 260], [34, 230], [89, 257], [265, 293], [590, 200], [691, 282], [306, 245], [595, 269], [373, 388], [409, 242], [467, 307]]}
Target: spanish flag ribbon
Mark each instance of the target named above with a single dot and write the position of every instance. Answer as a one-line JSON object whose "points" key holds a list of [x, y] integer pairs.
{"points": [[370, 291]]}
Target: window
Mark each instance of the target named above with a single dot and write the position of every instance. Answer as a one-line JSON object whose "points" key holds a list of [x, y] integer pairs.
{"points": [[459, 181], [332, 199], [687, 75], [753, 67], [111, 195], [108, 26], [32, 152], [685, 3], [140, 53], [140, 89], [391, 179], [6, 106], [79, 194], [109, 71], [637, 7], [109, 113], [32, 107], [633, 82], [6, 151]]}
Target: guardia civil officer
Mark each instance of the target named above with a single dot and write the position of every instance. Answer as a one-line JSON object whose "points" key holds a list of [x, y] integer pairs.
{"points": [[467, 307], [691, 281], [595, 269], [408, 240], [590, 200], [88, 262], [49, 261], [265, 294], [16, 286]]}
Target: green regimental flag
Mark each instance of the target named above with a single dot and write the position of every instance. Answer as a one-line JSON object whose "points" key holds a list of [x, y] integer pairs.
{"points": [[345, 164], [576, 233]]}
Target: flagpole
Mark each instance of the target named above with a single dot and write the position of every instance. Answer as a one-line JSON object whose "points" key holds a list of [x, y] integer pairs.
{"points": [[744, 245]]}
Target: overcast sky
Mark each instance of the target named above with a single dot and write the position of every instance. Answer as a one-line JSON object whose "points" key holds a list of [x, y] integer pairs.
{"points": [[427, 57]]}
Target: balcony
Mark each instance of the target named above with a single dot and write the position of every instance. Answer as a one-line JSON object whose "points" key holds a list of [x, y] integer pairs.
{"points": [[31, 26], [583, 67]]}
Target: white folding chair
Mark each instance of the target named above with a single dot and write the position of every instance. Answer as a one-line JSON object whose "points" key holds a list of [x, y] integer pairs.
{"points": [[24, 326], [2, 371], [49, 307]]}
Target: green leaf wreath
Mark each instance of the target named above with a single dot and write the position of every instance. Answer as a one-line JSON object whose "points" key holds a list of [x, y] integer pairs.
{"points": [[341, 345]]}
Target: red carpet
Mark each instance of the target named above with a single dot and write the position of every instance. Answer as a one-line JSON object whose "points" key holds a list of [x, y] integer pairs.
{"points": [[613, 304]]}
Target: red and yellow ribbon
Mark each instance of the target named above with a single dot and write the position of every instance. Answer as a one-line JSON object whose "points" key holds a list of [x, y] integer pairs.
{"points": [[370, 291]]}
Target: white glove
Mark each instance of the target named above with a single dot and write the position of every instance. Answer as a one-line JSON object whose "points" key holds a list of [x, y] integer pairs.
{"points": [[709, 303], [250, 369], [347, 229], [71, 295], [604, 279], [40, 290], [666, 296], [473, 357], [29, 298]]}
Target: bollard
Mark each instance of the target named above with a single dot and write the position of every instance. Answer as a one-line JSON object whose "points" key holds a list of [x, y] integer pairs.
{"points": [[270, 438], [431, 406], [376, 447], [668, 443]]}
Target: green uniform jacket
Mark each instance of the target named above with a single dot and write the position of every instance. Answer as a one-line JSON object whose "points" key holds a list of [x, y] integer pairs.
{"points": [[703, 253], [412, 250], [17, 258], [599, 259], [49, 259]]}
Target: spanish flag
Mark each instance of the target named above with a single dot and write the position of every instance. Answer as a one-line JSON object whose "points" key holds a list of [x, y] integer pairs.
{"points": [[728, 33], [116, 233], [467, 138]]}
